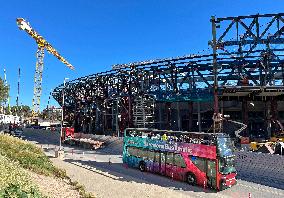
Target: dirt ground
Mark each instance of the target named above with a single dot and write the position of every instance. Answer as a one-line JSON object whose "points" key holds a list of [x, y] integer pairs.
{"points": [[53, 187]]}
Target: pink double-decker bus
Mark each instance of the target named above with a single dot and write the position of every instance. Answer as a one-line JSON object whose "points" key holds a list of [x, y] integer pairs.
{"points": [[204, 159]]}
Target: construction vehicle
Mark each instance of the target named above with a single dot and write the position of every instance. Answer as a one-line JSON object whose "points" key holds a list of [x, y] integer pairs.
{"points": [[270, 145], [42, 45]]}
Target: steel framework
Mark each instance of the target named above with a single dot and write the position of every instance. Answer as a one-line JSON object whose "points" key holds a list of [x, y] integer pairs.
{"points": [[246, 64]]}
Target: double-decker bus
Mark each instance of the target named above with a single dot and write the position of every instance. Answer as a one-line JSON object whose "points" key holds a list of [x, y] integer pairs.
{"points": [[198, 158]]}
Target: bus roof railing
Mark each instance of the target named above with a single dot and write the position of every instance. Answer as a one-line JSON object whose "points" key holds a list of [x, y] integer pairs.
{"points": [[149, 130]]}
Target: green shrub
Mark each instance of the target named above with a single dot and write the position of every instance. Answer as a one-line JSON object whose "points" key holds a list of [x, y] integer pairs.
{"points": [[14, 182], [28, 155], [13, 190], [16, 154]]}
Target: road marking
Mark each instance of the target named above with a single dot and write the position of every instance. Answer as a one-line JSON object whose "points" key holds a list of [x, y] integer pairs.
{"points": [[96, 170]]}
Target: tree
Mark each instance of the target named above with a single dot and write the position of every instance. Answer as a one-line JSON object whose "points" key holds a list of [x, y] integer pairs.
{"points": [[44, 114], [26, 111], [4, 91], [22, 110], [51, 113]]}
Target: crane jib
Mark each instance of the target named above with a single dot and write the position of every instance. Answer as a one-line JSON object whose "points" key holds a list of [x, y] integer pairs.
{"points": [[42, 44]]}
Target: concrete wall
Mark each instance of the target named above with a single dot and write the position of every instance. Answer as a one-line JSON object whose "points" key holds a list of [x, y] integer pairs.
{"points": [[261, 168]]}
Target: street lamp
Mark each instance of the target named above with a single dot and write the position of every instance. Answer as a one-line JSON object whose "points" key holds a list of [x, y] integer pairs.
{"points": [[62, 113]]}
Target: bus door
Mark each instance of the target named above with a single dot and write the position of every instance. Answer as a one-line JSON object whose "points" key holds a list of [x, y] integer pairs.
{"points": [[169, 164], [163, 163], [150, 162], [179, 167], [211, 173]]}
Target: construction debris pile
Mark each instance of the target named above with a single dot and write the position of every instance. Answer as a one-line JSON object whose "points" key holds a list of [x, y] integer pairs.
{"points": [[85, 143]]}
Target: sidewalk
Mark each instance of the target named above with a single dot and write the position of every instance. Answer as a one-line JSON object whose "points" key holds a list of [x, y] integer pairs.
{"points": [[105, 185]]}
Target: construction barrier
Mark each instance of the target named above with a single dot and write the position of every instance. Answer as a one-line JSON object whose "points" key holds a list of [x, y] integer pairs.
{"points": [[245, 140]]}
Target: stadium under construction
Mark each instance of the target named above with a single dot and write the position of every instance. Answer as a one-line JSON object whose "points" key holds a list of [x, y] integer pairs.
{"points": [[242, 77]]}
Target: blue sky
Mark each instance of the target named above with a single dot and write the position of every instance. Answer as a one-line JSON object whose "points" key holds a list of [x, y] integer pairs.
{"points": [[93, 35]]}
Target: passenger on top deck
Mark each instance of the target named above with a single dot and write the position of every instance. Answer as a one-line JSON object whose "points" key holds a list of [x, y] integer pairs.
{"points": [[158, 136], [171, 139], [165, 137]]}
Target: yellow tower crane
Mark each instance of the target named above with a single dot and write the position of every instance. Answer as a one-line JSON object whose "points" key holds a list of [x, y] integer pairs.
{"points": [[42, 44]]}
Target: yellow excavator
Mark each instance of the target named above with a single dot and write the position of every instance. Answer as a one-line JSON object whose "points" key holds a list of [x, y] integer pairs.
{"points": [[42, 44], [271, 144]]}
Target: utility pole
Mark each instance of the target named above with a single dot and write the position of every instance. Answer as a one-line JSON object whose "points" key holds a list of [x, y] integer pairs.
{"points": [[62, 114], [215, 73], [116, 124], [47, 108], [18, 90]]}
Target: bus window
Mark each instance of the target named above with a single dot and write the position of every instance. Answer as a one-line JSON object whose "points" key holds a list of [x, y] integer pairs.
{"points": [[140, 152], [151, 155], [199, 162], [132, 151], [170, 158], [144, 154], [163, 158], [157, 157], [179, 161]]}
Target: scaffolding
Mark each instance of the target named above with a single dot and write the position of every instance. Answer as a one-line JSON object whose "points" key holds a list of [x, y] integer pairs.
{"points": [[143, 112]]}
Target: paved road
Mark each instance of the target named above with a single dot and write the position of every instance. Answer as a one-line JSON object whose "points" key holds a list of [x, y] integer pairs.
{"points": [[111, 167]]}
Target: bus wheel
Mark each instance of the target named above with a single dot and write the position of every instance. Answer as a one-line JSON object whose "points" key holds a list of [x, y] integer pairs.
{"points": [[191, 179], [142, 166]]}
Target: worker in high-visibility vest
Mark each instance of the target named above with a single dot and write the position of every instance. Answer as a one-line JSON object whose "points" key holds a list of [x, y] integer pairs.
{"points": [[164, 137]]}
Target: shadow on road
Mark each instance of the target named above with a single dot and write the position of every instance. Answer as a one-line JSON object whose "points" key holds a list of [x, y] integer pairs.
{"points": [[118, 171]]}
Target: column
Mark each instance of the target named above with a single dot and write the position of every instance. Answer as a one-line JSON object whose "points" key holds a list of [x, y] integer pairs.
{"points": [[245, 114], [160, 114], [199, 116], [190, 115], [168, 115], [268, 119], [178, 117], [274, 115]]}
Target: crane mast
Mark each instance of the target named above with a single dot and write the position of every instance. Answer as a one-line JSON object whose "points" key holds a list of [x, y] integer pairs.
{"points": [[42, 45]]}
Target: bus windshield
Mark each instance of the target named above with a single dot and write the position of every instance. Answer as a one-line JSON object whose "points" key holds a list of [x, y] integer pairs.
{"points": [[225, 151], [224, 147]]}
